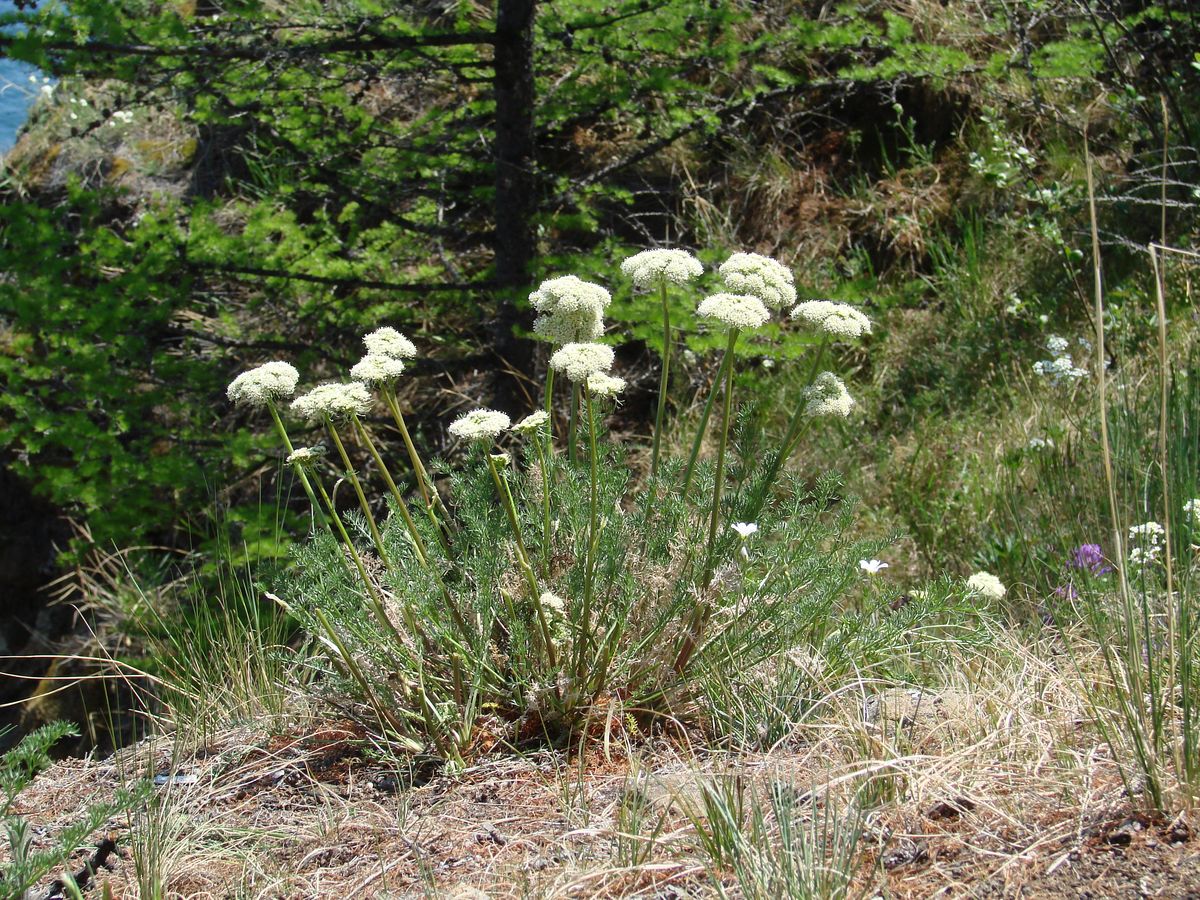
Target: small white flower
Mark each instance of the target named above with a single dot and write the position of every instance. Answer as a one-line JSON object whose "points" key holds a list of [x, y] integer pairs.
{"points": [[690, 358], [734, 310], [1057, 345], [601, 385], [377, 368], [501, 459], [760, 276], [1037, 443], [827, 396], [479, 425], [1191, 509], [745, 529], [833, 318], [1140, 556], [532, 422], [305, 456], [872, 566], [333, 401], [579, 361], [570, 327], [553, 604], [389, 342], [262, 385], [1147, 531], [650, 266], [569, 293], [767, 363], [987, 586]]}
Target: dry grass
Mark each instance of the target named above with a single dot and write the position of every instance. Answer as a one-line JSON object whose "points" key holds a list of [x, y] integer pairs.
{"points": [[995, 781]]}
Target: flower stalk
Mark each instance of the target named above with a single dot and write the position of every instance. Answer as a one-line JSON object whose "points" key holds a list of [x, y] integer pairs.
{"points": [[719, 484], [358, 490], [664, 378]]}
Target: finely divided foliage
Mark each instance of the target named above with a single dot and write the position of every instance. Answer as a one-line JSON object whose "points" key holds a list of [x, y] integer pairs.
{"points": [[541, 584]]}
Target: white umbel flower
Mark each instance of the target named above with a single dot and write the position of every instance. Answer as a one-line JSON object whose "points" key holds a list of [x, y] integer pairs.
{"points": [[305, 457], [333, 401], [570, 327], [833, 318], [553, 604], [532, 422], [649, 267], [480, 425], [567, 294], [389, 342], [578, 361], [602, 385], [760, 276], [734, 310], [264, 384], [986, 586], [377, 368], [827, 396]]}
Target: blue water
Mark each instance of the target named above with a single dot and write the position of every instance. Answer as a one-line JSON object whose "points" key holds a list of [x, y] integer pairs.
{"points": [[17, 93]]}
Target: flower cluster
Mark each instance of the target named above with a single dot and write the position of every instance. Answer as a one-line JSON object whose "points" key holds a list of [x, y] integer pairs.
{"points": [[579, 361], [1147, 539], [532, 422], [387, 341], [1089, 557], [761, 277], [833, 318], [649, 267], [741, 311], [1061, 369], [827, 396], [305, 456], [480, 425], [571, 309], [1191, 511], [986, 586], [377, 368], [333, 402], [262, 385]]}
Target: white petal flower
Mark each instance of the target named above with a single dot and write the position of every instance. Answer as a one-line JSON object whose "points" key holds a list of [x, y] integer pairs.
{"points": [[377, 368], [760, 276], [262, 385], [305, 456], [333, 401], [833, 318], [567, 294], [480, 425], [532, 422], [501, 459], [389, 342], [827, 396], [734, 310], [570, 327], [578, 361], [602, 385], [745, 529], [872, 566], [987, 586], [647, 268]]}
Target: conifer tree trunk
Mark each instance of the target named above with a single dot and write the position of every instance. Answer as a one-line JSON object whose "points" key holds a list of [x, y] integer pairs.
{"points": [[515, 186]]}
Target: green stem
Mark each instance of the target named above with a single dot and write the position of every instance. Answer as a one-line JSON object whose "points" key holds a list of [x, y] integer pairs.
{"points": [[401, 505], [719, 485], [318, 513], [663, 380], [589, 567], [544, 465], [429, 493], [571, 423], [514, 523], [358, 490], [726, 362], [550, 405]]}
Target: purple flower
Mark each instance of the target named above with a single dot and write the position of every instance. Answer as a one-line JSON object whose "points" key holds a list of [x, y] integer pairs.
{"points": [[1090, 557], [1066, 592]]}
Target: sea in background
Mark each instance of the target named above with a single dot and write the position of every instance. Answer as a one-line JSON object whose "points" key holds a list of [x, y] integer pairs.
{"points": [[17, 92]]}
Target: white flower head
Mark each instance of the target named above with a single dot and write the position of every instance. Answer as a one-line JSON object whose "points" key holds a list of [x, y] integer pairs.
{"points": [[570, 327], [501, 459], [305, 457], [1148, 532], [834, 318], [532, 422], [827, 396], [649, 267], [734, 310], [601, 385], [569, 293], [872, 566], [760, 276], [480, 425], [744, 529], [987, 586], [377, 368], [262, 385], [333, 401], [1057, 345], [1191, 509], [579, 361], [553, 604], [387, 341]]}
